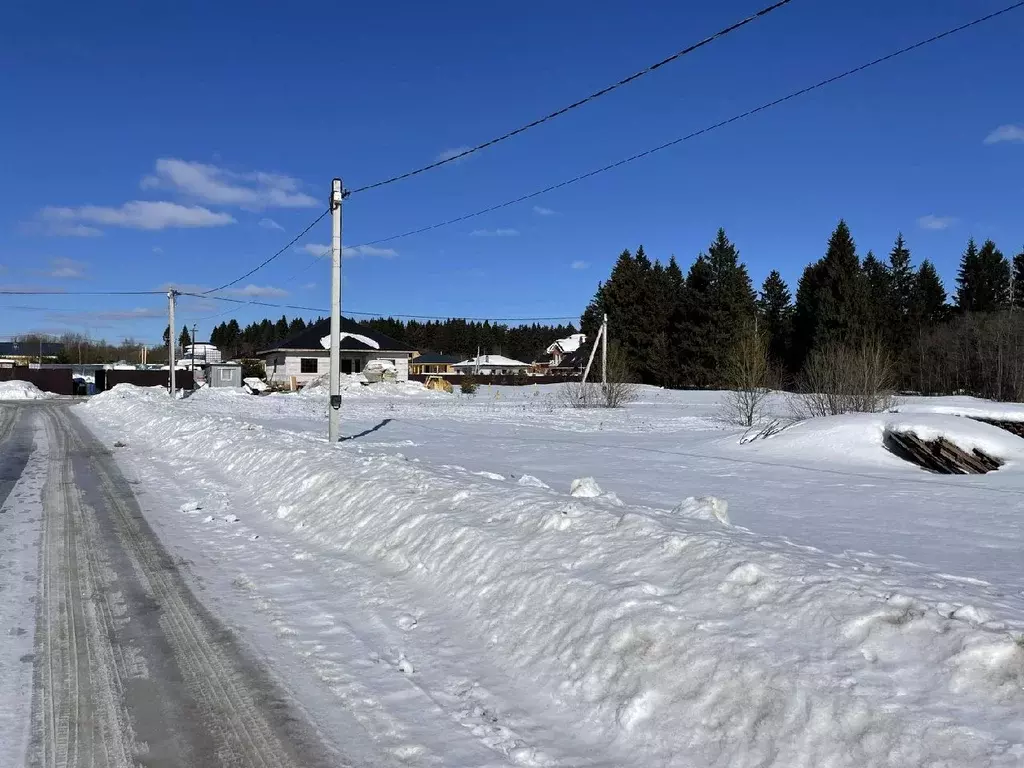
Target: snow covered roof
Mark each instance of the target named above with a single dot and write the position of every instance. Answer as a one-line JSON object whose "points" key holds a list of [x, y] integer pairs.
{"points": [[569, 344], [492, 361], [354, 339]]}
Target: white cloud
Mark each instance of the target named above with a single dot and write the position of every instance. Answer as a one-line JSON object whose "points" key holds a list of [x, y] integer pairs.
{"points": [[253, 190], [270, 224], [138, 214], [500, 232], [369, 250], [66, 269], [936, 222], [316, 249], [448, 154], [105, 318], [308, 286], [157, 249], [540, 210], [254, 291], [580, 264], [1006, 133]]}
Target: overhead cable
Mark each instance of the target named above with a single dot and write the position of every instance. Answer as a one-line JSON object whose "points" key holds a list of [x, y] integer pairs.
{"points": [[568, 108], [702, 131]]}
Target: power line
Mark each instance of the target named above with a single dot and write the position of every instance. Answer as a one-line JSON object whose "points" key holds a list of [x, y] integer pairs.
{"points": [[702, 131], [253, 302], [596, 95], [266, 261], [273, 305], [82, 293]]}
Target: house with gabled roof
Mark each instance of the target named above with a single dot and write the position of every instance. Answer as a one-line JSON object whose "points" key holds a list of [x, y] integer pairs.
{"points": [[306, 356]]}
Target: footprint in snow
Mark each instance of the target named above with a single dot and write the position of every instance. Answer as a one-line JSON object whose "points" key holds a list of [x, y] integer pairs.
{"points": [[404, 665], [406, 621]]}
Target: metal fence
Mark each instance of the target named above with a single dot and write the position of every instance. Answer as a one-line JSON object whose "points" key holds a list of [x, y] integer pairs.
{"points": [[58, 381], [108, 379], [510, 380]]}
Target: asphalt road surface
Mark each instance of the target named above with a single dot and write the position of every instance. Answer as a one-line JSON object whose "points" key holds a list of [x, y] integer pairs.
{"points": [[129, 668]]}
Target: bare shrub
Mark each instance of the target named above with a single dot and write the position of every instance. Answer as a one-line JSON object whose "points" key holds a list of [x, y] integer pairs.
{"points": [[579, 394], [619, 390], [845, 379], [750, 376]]}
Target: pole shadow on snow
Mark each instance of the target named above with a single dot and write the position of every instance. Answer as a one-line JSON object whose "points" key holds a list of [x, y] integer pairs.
{"points": [[366, 432]]}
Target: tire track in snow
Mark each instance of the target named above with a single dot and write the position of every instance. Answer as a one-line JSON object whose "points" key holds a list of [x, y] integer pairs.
{"points": [[130, 668]]}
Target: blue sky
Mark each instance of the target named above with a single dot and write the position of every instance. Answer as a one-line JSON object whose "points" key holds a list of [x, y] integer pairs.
{"points": [[145, 144]]}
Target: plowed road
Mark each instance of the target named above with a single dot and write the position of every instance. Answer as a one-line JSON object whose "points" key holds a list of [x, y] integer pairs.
{"points": [[128, 668]]}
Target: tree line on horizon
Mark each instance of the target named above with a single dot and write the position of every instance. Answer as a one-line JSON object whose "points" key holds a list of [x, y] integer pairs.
{"points": [[455, 336], [679, 330]]}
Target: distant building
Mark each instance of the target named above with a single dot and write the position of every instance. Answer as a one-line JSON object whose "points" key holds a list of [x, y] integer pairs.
{"points": [[492, 365], [558, 349], [306, 356], [223, 375], [433, 363], [201, 352], [24, 352]]}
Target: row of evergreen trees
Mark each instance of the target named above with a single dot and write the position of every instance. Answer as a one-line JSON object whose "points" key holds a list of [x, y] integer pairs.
{"points": [[453, 336], [463, 338], [233, 341], [679, 330]]}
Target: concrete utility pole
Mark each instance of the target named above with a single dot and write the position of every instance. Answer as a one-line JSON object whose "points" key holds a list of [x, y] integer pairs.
{"points": [[172, 295], [194, 349], [604, 351], [334, 409]]}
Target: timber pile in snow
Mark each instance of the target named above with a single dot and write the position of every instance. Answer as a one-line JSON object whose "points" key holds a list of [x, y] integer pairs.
{"points": [[940, 455]]}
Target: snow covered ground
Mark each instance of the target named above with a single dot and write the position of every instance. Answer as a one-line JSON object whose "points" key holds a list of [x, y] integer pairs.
{"points": [[22, 390], [433, 589]]}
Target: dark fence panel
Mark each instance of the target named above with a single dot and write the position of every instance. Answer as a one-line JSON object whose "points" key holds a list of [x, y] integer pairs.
{"points": [[505, 381], [57, 381], [182, 379]]}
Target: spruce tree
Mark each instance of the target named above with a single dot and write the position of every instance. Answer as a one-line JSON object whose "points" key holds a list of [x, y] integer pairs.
{"points": [[775, 312], [693, 331], [184, 339], [1018, 280], [967, 278], [831, 298], [929, 306], [902, 276], [878, 298]]}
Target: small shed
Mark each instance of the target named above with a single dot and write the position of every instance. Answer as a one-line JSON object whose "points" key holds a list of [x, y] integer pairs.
{"points": [[223, 374]]}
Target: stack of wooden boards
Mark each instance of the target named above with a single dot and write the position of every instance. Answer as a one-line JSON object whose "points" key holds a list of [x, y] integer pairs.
{"points": [[940, 455]]}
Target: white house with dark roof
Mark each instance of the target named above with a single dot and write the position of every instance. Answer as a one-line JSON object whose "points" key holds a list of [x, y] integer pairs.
{"points": [[488, 365], [307, 356]]}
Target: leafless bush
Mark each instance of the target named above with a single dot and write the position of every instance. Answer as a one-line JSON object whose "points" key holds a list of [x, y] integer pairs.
{"points": [[750, 375], [579, 394], [845, 379], [619, 390]]}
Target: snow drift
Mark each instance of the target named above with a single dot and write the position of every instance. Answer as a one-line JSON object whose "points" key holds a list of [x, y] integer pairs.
{"points": [[22, 390], [670, 636]]}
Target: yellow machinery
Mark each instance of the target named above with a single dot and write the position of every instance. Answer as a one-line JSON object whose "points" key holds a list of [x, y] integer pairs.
{"points": [[438, 384]]}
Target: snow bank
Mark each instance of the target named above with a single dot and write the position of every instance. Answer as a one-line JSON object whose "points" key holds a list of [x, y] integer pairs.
{"points": [[22, 390], [973, 407], [858, 438], [675, 638], [355, 385]]}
